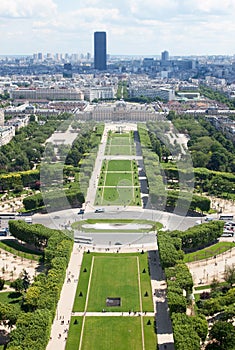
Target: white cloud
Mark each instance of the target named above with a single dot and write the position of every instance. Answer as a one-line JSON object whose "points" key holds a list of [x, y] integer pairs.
{"points": [[141, 27], [26, 9]]}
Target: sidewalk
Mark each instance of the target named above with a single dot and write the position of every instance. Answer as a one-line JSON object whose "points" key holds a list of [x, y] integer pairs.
{"points": [[114, 314], [159, 287], [64, 308]]}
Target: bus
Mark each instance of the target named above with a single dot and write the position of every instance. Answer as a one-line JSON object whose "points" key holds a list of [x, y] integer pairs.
{"points": [[83, 240], [226, 217], [8, 216]]}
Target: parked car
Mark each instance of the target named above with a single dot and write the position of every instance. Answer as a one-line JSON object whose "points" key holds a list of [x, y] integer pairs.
{"points": [[100, 210], [227, 233], [209, 218]]}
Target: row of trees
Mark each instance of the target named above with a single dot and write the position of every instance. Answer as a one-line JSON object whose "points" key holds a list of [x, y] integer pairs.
{"points": [[219, 303], [188, 331], [54, 200], [156, 187], [34, 323], [36, 234], [217, 183], [159, 197], [17, 181], [199, 236], [209, 148], [26, 148], [217, 96]]}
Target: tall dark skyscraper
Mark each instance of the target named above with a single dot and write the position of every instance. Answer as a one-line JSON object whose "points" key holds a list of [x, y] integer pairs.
{"points": [[100, 50]]}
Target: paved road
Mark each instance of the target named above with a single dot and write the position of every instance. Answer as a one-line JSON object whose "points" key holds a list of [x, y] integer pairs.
{"points": [[66, 217]]}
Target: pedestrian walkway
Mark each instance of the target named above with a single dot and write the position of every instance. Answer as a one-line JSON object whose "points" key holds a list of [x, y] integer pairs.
{"points": [[159, 287], [114, 314], [60, 325]]}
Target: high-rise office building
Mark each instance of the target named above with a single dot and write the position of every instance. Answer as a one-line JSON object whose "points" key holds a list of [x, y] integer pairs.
{"points": [[100, 54], [165, 56]]}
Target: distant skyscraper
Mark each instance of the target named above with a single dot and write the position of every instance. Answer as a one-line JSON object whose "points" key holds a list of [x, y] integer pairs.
{"points": [[100, 54], [165, 56]]}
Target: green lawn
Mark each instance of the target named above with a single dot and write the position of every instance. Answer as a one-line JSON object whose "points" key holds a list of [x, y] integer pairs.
{"points": [[81, 292], [117, 333], [119, 179], [146, 289], [120, 144], [120, 150], [11, 298], [209, 252], [119, 141], [122, 175], [74, 333], [150, 337], [114, 276], [117, 196], [112, 333], [120, 165]]}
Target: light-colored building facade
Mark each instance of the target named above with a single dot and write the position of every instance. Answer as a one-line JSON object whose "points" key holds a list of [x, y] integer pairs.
{"points": [[120, 111], [47, 94], [6, 134], [99, 93]]}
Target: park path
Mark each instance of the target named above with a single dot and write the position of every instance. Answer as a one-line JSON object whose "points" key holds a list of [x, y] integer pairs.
{"points": [[114, 314], [159, 289], [204, 271], [65, 304]]}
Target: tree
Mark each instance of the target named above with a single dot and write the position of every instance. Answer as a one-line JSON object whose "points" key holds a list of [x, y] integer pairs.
{"points": [[229, 274], [26, 279], [32, 297], [22, 283], [17, 285], [223, 334]]}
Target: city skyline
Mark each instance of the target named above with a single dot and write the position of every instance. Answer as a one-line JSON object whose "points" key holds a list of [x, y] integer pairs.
{"points": [[133, 27]]}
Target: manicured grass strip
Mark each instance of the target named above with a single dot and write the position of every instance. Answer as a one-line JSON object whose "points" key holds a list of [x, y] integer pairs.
{"points": [[146, 290], [117, 196], [74, 333], [15, 248], [150, 337], [81, 292], [209, 252], [119, 179], [114, 276], [119, 165], [112, 333], [120, 141], [121, 150]]}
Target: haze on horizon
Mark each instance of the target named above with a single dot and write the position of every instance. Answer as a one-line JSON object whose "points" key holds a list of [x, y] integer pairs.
{"points": [[134, 27]]}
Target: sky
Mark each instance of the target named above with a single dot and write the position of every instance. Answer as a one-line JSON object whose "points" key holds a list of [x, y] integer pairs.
{"points": [[134, 27]]}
